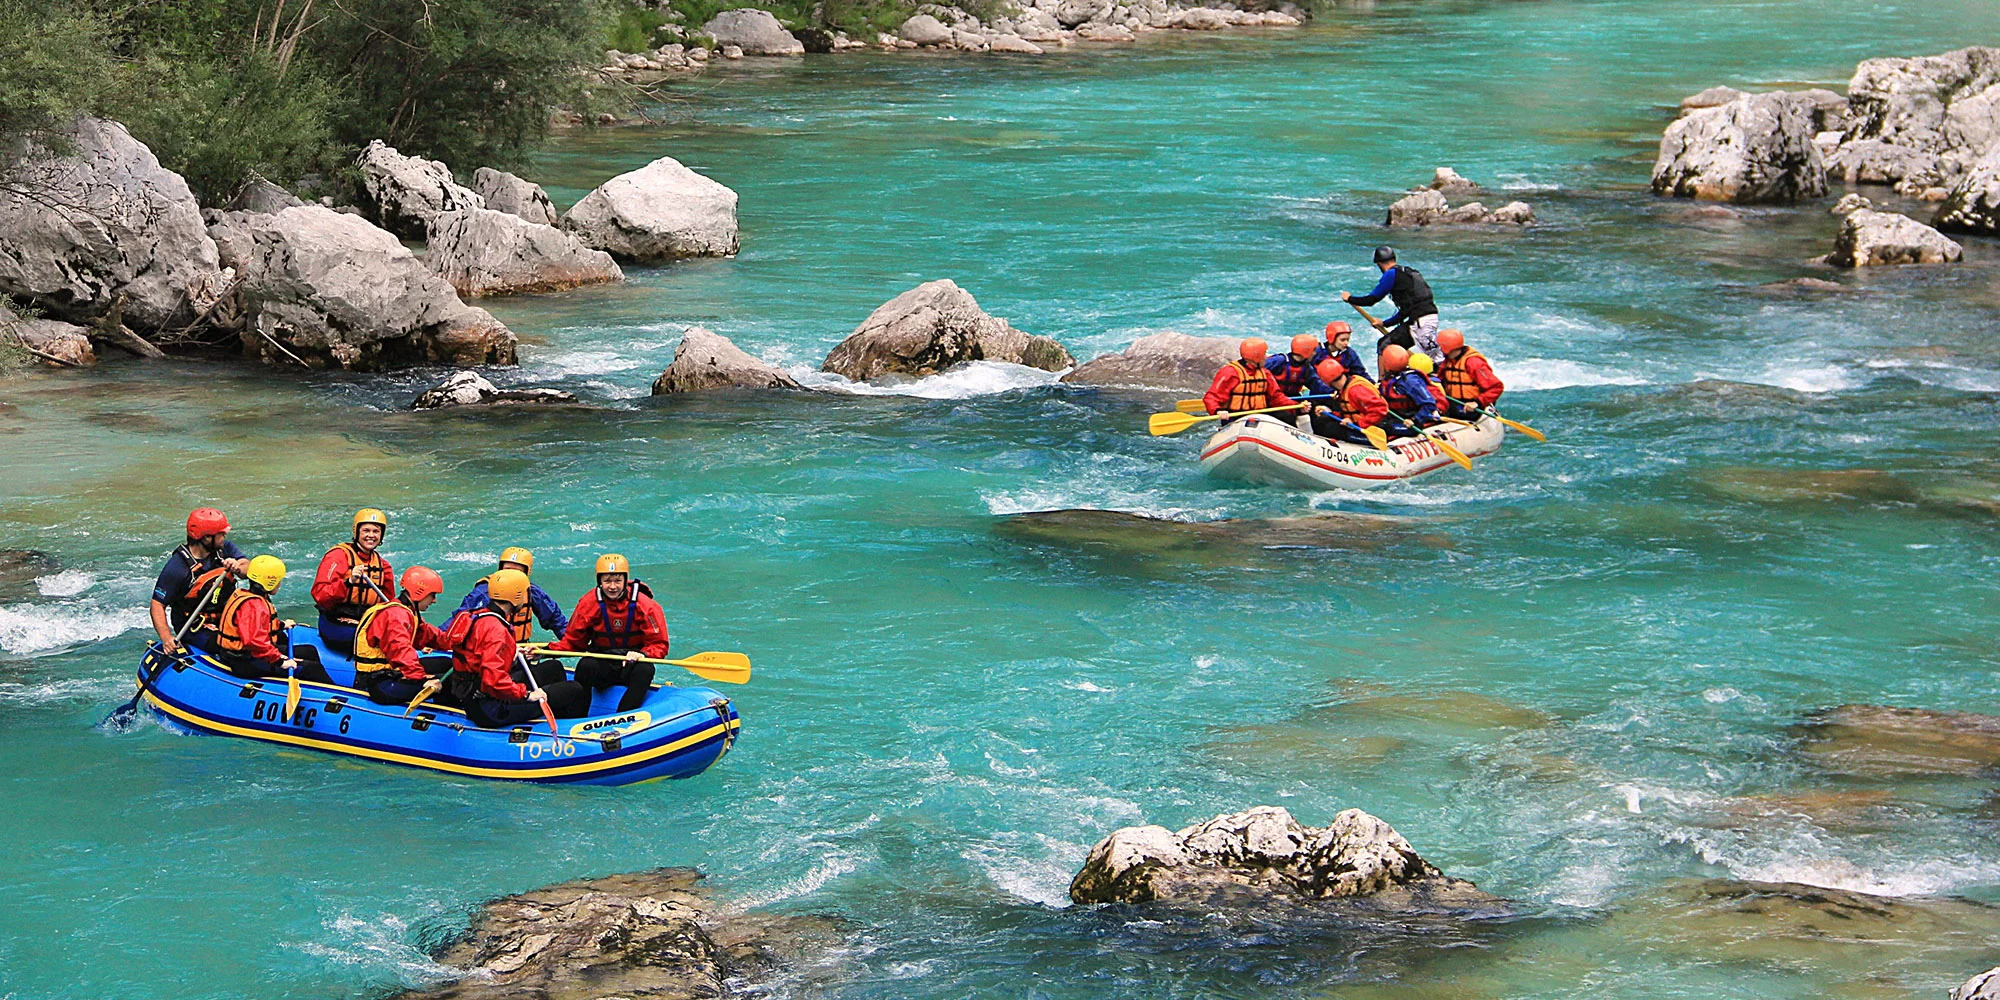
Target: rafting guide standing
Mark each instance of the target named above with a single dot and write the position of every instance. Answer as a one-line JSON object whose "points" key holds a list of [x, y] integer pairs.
{"points": [[1415, 323]]}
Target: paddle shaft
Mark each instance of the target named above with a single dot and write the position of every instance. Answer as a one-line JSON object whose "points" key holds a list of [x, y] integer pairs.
{"points": [[146, 679], [547, 712]]}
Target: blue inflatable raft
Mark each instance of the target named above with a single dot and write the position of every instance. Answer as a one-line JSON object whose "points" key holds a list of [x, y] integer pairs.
{"points": [[678, 733]]}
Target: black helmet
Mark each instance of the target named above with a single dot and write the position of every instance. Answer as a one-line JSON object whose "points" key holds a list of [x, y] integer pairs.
{"points": [[1384, 255]]}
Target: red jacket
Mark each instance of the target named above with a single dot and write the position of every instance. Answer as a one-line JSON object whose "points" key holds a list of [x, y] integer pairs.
{"points": [[390, 633], [1226, 380], [1469, 366], [253, 623], [617, 626], [487, 652], [1361, 403], [330, 592], [1490, 386]]}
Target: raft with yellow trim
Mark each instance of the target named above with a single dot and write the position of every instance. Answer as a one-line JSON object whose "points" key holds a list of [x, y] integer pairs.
{"points": [[677, 733], [1268, 450]]}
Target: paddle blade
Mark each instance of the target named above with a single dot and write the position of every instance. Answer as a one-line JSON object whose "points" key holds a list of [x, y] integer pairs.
{"points": [[729, 668], [1523, 428], [291, 696], [423, 694], [1172, 423], [550, 714], [1453, 453], [1377, 437]]}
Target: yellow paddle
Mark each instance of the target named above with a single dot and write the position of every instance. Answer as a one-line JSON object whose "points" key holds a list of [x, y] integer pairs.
{"points": [[729, 668], [1517, 425], [431, 687], [1176, 422]]}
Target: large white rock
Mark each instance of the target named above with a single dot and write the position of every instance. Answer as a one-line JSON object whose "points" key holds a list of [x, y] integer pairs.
{"points": [[484, 252], [707, 360], [924, 29], [1985, 986], [932, 327], [505, 192], [1757, 148], [1453, 184], [754, 31], [78, 232], [1973, 206], [1924, 121], [1421, 207], [1713, 97], [660, 211], [1869, 238], [404, 192], [1070, 13], [334, 289], [1164, 360]]}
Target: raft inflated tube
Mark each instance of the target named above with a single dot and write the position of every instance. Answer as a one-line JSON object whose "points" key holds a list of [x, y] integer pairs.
{"points": [[1276, 453]]}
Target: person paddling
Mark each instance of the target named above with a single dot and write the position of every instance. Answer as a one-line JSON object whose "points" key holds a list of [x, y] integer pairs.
{"points": [[1355, 402], [1466, 377], [1406, 392], [246, 641], [1244, 384], [206, 559], [486, 660], [386, 664], [1339, 346], [1415, 322], [618, 616], [352, 576], [1293, 370]]}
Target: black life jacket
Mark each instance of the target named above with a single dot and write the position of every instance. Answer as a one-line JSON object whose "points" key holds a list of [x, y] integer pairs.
{"points": [[1412, 293]]}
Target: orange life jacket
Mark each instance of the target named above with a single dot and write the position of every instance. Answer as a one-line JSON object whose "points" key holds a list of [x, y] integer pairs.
{"points": [[227, 638], [211, 615], [368, 656], [1456, 375], [1253, 389], [523, 619], [359, 594]]}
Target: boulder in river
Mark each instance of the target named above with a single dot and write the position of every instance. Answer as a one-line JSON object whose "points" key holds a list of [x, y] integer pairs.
{"points": [[932, 327], [1920, 122], [1453, 184], [1853, 201], [54, 340], [708, 360], [484, 252], [644, 934], [1264, 854], [1877, 741], [1713, 97], [1985, 986], [754, 31], [333, 289], [660, 211], [1421, 207], [1164, 360], [1756, 148], [1868, 238], [405, 192], [1973, 206], [102, 224], [472, 389], [505, 192], [19, 568]]}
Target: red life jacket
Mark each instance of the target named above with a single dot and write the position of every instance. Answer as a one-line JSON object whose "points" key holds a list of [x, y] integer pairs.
{"points": [[618, 633], [1291, 378]]}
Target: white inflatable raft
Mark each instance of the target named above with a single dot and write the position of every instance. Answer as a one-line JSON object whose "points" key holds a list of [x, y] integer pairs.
{"points": [[1264, 449]]}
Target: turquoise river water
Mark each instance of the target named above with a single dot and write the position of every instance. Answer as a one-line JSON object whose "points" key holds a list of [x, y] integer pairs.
{"points": [[1576, 675]]}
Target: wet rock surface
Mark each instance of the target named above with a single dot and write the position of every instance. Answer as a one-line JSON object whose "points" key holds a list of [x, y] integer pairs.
{"points": [[473, 389], [645, 934], [58, 343], [1164, 360], [707, 360], [931, 328], [1756, 148], [1868, 238], [1263, 855], [1973, 206], [1877, 741], [19, 569]]}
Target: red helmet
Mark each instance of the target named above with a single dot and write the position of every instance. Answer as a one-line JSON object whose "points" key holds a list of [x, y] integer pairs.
{"points": [[1254, 349], [206, 521], [1330, 369], [421, 581], [1337, 326], [1450, 340], [1395, 358], [1304, 345]]}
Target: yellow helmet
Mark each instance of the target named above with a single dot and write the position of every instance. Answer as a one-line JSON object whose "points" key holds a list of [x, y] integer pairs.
{"points": [[612, 562], [519, 555], [510, 585], [369, 515], [266, 572], [1422, 362]]}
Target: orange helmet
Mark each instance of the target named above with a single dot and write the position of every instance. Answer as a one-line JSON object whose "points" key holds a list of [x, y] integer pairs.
{"points": [[1395, 358], [422, 581], [510, 585], [612, 562], [1450, 340], [1254, 349], [1330, 369], [1336, 327], [1304, 345]]}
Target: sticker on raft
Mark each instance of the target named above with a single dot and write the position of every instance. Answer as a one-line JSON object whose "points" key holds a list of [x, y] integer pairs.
{"points": [[624, 722]]}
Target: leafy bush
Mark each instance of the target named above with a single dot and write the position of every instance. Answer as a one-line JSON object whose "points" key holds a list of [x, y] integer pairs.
{"points": [[633, 29]]}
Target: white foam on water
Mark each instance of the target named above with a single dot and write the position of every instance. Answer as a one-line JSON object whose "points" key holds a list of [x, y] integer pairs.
{"points": [[380, 943], [1028, 501], [967, 381], [41, 628], [1585, 886], [831, 866], [29, 695], [1932, 877], [468, 557], [68, 583], [1815, 379], [1535, 374], [1717, 696], [1087, 686], [1043, 879], [587, 363]]}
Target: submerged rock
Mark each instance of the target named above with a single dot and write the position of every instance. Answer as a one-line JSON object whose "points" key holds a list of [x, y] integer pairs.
{"points": [[706, 360], [484, 252], [1877, 741], [933, 327], [754, 31], [1804, 286], [472, 389], [1164, 360], [1868, 238], [646, 934], [1851, 202], [1973, 206], [1430, 206], [104, 224], [1757, 148], [505, 192], [19, 568], [1263, 855], [405, 192], [660, 211]]}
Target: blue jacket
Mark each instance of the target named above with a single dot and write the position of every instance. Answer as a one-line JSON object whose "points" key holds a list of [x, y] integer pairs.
{"points": [[1349, 359], [1280, 365], [1414, 387], [547, 611]]}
